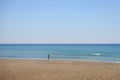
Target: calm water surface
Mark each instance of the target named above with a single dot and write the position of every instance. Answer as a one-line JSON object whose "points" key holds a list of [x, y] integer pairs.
{"points": [[91, 52]]}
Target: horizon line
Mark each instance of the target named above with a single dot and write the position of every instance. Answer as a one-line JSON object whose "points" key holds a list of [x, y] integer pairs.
{"points": [[54, 43]]}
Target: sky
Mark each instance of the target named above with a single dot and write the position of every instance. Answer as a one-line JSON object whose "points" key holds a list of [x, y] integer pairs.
{"points": [[59, 21]]}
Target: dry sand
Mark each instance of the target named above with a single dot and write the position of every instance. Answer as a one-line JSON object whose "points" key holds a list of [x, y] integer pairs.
{"points": [[57, 70]]}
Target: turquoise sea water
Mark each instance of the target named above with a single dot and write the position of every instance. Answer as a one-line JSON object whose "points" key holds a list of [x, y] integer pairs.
{"points": [[91, 52]]}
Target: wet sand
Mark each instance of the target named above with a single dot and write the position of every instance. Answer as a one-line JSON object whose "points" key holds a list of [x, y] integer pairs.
{"points": [[11, 69]]}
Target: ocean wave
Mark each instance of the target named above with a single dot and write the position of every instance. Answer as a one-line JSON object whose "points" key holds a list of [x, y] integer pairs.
{"points": [[97, 54]]}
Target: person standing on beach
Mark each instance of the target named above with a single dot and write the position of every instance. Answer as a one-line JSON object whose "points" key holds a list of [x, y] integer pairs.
{"points": [[48, 56]]}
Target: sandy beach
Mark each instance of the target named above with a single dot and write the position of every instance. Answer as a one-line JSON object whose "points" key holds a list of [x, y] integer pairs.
{"points": [[11, 69]]}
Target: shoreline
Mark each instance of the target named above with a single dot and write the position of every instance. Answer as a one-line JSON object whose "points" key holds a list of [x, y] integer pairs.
{"points": [[18, 69], [117, 62]]}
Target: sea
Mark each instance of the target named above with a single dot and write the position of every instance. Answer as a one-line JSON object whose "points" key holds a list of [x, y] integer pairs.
{"points": [[83, 52]]}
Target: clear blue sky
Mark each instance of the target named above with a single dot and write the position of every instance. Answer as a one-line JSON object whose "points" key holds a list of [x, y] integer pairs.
{"points": [[59, 21]]}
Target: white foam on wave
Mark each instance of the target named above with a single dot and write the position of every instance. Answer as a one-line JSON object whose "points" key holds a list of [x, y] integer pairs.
{"points": [[117, 62], [97, 54]]}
